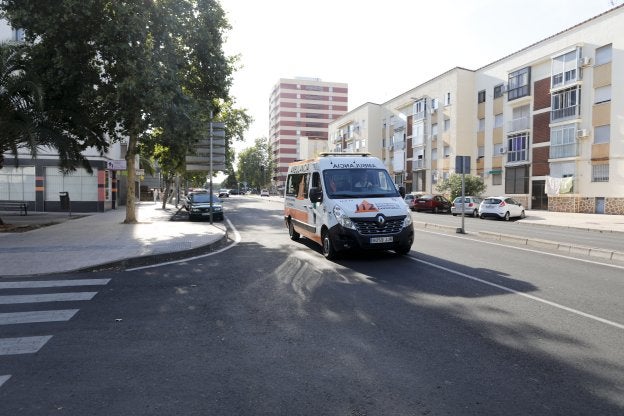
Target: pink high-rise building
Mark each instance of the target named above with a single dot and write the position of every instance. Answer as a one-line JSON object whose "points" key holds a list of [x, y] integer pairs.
{"points": [[300, 110]]}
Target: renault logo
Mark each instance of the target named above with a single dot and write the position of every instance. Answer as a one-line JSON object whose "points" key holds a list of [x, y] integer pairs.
{"points": [[381, 220]]}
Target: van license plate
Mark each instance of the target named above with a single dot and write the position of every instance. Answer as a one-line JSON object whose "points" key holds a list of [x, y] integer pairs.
{"points": [[376, 240]]}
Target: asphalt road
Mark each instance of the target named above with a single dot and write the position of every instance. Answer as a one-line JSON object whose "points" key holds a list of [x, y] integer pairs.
{"points": [[269, 327]]}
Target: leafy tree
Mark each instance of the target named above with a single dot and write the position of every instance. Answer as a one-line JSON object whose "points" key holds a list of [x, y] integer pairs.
{"points": [[473, 185], [122, 70], [255, 164]]}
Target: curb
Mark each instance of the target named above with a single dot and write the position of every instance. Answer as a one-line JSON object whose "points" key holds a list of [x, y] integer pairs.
{"points": [[534, 242]]}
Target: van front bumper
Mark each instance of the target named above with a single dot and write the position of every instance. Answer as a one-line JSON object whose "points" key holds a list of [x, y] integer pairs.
{"points": [[347, 239]]}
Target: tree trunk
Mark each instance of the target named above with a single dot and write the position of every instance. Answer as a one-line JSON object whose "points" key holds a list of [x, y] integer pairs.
{"points": [[130, 198]]}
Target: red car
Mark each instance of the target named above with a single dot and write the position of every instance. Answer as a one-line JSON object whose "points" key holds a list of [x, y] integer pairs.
{"points": [[433, 203]]}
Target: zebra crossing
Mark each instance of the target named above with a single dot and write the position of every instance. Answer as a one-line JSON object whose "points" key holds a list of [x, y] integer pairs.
{"points": [[32, 344]]}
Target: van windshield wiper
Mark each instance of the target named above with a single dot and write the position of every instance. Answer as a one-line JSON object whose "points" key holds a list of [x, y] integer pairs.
{"points": [[343, 195]]}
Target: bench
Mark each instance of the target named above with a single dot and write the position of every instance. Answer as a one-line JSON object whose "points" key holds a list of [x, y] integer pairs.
{"points": [[22, 207]]}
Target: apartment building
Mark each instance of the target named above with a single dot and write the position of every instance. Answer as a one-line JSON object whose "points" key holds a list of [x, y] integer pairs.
{"points": [[358, 131], [544, 124], [300, 110]]}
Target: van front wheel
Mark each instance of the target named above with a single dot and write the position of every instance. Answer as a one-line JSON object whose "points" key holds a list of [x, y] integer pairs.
{"points": [[328, 248], [294, 235]]}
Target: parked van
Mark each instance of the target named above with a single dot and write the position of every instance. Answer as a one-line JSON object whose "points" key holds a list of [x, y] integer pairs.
{"points": [[346, 201]]}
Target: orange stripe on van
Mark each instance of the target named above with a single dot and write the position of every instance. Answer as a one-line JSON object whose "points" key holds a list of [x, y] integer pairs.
{"points": [[296, 214]]}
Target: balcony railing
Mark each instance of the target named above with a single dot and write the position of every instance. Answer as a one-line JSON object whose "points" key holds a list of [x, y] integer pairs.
{"points": [[564, 113], [418, 164], [517, 156], [564, 150], [518, 124]]}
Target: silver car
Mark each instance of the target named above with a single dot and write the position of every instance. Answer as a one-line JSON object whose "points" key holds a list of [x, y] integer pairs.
{"points": [[470, 206], [501, 207]]}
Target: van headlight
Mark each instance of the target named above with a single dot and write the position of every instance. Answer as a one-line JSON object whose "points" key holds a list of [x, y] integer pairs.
{"points": [[342, 218], [408, 220]]}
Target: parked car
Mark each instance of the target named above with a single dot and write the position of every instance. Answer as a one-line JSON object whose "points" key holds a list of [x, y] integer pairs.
{"points": [[433, 203], [470, 206], [410, 199], [224, 193], [264, 192], [501, 207], [198, 206]]}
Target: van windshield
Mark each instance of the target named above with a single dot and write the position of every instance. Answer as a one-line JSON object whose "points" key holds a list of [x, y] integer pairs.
{"points": [[359, 183]]}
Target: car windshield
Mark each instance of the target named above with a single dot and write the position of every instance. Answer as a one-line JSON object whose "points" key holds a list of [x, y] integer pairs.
{"points": [[203, 197], [359, 183]]}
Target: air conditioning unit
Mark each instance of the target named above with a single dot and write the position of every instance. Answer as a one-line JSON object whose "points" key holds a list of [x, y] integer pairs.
{"points": [[585, 61], [502, 151], [581, 133]]}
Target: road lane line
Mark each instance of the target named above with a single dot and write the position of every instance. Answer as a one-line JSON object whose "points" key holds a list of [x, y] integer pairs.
{"points": [[507, 289], [23, 345], [615, 266], [3, 379], [52, 283], [47, 297], [36, 316], [237, 239]]}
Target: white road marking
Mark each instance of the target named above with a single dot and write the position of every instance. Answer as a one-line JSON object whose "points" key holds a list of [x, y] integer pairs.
{"points": [[24, 345], [615, 266], [52, 283], [36, 316], [3, 379], [237, 239], [47, 297], [535, 298]]}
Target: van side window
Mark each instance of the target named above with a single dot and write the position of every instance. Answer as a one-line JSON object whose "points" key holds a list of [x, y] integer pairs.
{"points": [[297, 185], [316, 180]]}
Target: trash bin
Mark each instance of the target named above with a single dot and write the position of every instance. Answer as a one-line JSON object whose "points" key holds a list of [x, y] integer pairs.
{"points": [[64, 200]]}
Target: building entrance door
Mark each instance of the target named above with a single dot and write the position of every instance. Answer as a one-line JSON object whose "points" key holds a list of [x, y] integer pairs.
{"points": [[539, 199]]}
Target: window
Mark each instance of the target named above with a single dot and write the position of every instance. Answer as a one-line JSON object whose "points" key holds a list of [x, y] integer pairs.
{"points": [[499, 90], [602, 94], [418, 134], [481, 126], [602, 134], [481, 96], [447, 99], [17, 183], [517, 146], [564, 69], [419, 109], [498, 120], [563, 141], [603, 55], [434, 131], [447, 151], [480, 152], [562, 169], [600, 173], [564, 104], [434, 103], [520, 118], [497, 179], [447, 124], [518, 85], [434, 154], [81, 185], [297, 185], [517, 180]]}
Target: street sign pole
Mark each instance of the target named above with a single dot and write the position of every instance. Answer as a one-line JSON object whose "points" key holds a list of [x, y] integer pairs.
{"points": [[210, 171], [462, 165]]}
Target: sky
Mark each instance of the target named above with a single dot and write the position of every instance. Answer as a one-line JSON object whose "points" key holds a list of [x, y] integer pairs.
{"points": [[379, 48]]}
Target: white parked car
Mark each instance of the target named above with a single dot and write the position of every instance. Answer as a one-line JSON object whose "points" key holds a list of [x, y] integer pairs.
{"points": [[470, 206], [501, 207], [264, 192]]}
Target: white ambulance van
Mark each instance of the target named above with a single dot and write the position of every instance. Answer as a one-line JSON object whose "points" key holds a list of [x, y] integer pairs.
{"points": [[346, 201]]}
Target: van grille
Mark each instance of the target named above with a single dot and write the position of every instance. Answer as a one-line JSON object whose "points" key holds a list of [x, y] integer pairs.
{"points": [[370, 226]]}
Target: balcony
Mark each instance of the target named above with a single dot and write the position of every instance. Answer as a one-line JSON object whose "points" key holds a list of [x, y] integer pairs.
{"points": [[418, 164], [518, 124], [564, 150], [564, 113]]}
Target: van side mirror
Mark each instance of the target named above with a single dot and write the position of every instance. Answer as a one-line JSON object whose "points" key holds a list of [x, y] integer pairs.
{"points": [[402, 191], [316, 194]]}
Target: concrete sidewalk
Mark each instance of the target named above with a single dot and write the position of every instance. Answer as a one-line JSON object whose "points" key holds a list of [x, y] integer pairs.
{"points": [[100, 240]]}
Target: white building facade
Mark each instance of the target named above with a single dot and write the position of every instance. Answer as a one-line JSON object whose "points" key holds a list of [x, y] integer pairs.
{"points": [[544, 124]]}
